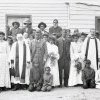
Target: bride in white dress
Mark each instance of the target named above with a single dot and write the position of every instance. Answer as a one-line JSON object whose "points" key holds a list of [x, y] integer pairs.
{"points": [[74, 76], [52, 60]]}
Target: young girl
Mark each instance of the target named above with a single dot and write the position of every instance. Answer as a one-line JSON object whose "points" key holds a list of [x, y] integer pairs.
{"points": [[75, 72]]}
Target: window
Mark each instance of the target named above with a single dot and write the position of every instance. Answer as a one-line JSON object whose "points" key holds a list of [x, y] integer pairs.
{"points": [[19, 18]]}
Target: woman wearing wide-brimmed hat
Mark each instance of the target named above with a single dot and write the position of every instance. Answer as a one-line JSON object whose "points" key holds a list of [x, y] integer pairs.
{"points": [[15, 30], [4, 68], [42, 27]]}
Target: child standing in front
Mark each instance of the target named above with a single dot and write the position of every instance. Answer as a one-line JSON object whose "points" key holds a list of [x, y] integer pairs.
{"points": [[88, 76], [48, 80]]}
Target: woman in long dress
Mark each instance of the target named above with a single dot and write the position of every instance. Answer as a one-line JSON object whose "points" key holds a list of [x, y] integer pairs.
{"points": [[52, 60], [75, 74], [4, 67]]}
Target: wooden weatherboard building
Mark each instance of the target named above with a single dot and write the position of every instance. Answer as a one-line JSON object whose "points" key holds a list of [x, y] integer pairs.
{"points": [[70, 15]]}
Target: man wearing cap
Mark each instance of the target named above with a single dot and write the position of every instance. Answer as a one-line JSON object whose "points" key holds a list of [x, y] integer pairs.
{"points": [[91, 50], [28, 28], [55, 28], [38, 52], [63, 44], [15, 30], [20, 59]]}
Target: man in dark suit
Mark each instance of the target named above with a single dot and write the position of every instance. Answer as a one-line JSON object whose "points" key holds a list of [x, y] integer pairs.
{"points": [[38, 54], [63, 44], [28, 28]]}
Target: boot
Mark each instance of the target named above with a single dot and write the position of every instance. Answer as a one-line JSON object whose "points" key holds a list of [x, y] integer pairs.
{"points": [[31, 88], [16, 87]]}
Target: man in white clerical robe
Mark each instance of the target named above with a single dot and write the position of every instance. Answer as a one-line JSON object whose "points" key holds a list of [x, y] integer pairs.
{"points": [[91, 50], [20, 60]]}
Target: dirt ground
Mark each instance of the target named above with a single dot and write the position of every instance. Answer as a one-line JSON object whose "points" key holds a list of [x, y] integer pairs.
{"points": [[71, 93]]}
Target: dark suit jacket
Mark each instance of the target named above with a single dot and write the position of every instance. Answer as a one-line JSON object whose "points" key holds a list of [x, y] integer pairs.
{"points": [[43, 50], [29, 31], [56, 30], [60, 47]]}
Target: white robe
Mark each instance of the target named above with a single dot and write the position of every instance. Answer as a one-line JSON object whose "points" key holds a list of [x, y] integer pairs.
{"points": [[74, 76], [12, 57], [91, 52], [54, 69], [4, 67]]}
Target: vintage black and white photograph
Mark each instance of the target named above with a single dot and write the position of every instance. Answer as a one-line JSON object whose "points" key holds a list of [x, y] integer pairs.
{"points": [[49, 49]]}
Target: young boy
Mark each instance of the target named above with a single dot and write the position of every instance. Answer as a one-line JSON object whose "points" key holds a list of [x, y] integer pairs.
{"points": [[48, 80], [36, 78], [88, 76]]}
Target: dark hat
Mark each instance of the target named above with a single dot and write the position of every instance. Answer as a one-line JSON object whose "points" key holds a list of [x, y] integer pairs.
{"points": [[42, 23], [2, 33], [16, 23], [28, 22], [84, 34]]}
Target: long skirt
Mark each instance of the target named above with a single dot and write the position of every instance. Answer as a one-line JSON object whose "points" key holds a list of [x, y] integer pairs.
{"points": [[74, 76], [4, 71]]}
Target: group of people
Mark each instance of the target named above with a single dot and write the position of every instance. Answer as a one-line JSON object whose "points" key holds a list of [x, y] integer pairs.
{"points": [[38, 60]]}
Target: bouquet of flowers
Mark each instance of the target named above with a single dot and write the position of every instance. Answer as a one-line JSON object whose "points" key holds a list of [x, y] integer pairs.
{"points": [[52, 58], [78, 66]]}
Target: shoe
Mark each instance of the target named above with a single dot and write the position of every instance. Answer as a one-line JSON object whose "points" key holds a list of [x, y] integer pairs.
{"points": [[60, 86], [66, 85], [30, 88], [16, 87]]}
